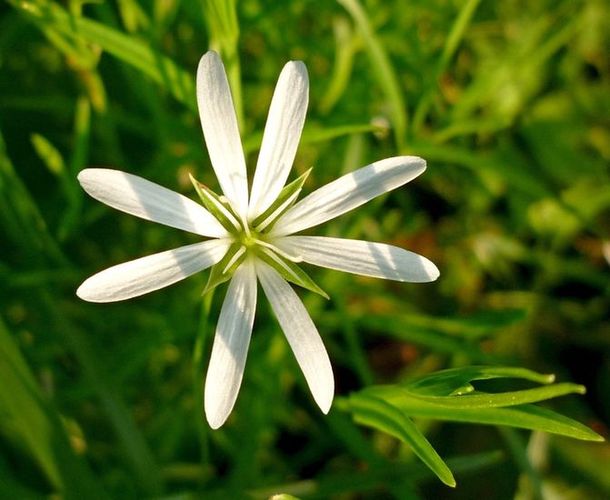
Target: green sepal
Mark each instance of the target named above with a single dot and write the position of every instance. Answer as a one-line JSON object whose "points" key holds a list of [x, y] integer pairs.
{"points": [[215, 205], [217, 273], [289, 190], [292, 272]]}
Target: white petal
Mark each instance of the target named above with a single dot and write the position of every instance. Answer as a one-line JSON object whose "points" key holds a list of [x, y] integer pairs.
{"points": [[301, 333], [281, 137], [220, 130], [230, 345], [361, 257], [140, 276], [137, 196], [349, 192]]}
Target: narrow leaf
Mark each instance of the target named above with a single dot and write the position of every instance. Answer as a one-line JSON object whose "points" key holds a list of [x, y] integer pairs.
{"points": [[446, 382], [523, 416], [383, 70], [483, 400], [376, 413]]}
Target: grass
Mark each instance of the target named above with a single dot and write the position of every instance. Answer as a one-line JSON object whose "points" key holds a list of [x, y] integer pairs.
{"points": [[509, 104]]}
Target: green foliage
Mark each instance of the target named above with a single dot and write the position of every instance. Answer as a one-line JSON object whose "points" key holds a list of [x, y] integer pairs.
{"points": [[32, 428], [507, 101], [449, 395]]}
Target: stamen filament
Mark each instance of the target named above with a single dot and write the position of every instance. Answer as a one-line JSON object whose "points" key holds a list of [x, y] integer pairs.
{"points": [[286, 255], [225, 212], [244, 223]]}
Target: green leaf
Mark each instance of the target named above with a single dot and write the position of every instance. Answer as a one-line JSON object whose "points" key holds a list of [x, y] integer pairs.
{"points": [[346, 46], [375, 412], [448, 395], [286, 198], [383, 70], [291, 272], [447, 382], [21, 218], [529, 417], [473, 400], [78, 160], [495, 409]]}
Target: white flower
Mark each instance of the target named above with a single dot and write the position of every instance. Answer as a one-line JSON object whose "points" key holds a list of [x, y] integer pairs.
{"points": [[250, 235]]}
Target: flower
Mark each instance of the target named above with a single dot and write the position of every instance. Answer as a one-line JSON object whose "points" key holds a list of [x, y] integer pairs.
{"points": [[251, 233]]}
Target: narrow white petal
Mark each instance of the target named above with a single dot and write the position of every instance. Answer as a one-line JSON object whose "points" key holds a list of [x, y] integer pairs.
{"points": [[220, 130], [281, 137], [137, 196], [140, 276], [301, 333], [361, 257], [349, 192], [231, 343]]}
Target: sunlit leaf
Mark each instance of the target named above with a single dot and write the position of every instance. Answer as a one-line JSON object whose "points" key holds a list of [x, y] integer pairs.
{"points": [[446, 382], [375, 412]]}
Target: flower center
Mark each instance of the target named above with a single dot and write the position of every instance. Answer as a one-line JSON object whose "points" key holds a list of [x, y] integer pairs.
{"points": [[250, 241], [248, 238], [253, 243]]}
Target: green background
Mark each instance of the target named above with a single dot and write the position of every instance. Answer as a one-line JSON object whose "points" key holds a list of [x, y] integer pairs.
{"points": [[509, 102]]}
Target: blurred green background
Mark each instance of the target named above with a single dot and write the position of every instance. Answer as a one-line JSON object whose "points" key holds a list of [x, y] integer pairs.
{"points": [[508, 101]]}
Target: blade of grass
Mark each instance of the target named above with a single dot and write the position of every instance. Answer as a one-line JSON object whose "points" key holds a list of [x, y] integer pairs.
{"points": [[376, 413], [346, 46], [137, 452], [223, 28], [524, 417], [383, 71], [33, 425], [446, 382], [21, 217], [156, 66], [78, 161], [456, 34]]}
